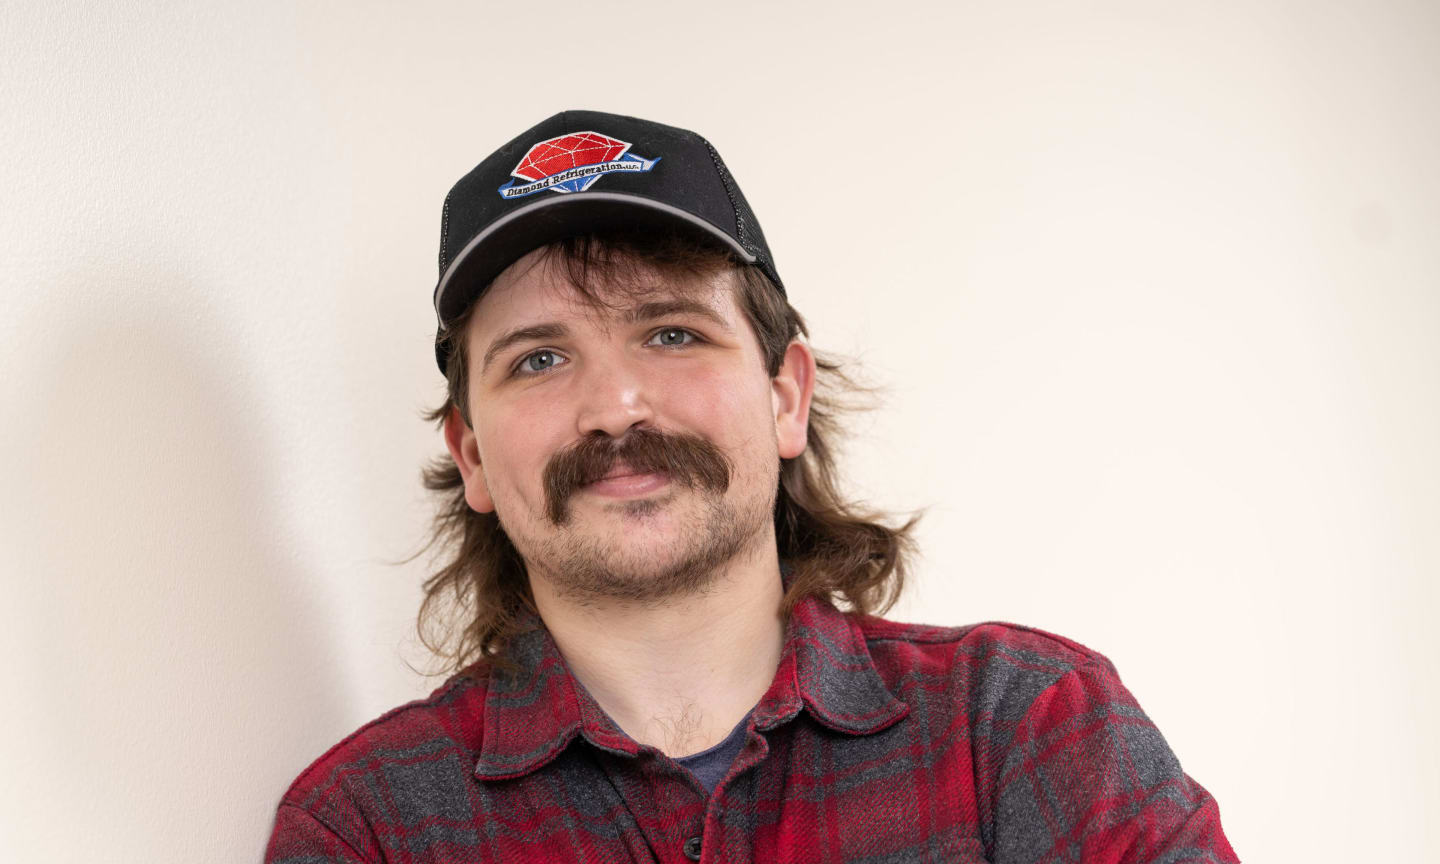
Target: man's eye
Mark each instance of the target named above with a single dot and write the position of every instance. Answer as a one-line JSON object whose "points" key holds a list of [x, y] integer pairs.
{"points": [[673, 336], [537, 362]]}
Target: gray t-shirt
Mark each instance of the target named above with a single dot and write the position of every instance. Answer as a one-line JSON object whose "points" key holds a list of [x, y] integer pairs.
{"points": [[709, 766]]}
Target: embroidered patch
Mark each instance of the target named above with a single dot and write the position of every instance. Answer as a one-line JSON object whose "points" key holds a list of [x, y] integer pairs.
{"points": [[572, 163]]}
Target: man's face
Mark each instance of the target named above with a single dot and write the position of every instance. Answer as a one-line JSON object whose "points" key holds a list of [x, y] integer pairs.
{"points": [[629, 451]]}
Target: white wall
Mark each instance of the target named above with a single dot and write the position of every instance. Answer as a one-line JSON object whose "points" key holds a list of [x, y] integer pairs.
{"points": [[1155, 287]]}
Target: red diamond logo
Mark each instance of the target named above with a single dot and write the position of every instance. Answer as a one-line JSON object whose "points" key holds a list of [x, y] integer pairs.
{"points": [[566, 152]]}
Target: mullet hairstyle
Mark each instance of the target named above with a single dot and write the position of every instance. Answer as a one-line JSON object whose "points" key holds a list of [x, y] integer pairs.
{"points": [[834, 549]]}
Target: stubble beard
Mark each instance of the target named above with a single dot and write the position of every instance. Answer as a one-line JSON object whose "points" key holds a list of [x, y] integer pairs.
{"points": [[606, 555], [586, 569], [710, 527]]}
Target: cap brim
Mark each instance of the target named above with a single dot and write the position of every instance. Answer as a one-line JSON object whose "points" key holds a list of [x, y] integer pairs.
{"points": [[550, 218]]}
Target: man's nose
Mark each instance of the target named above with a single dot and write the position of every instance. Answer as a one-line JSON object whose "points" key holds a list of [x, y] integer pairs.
{"points": [[614, 398]]}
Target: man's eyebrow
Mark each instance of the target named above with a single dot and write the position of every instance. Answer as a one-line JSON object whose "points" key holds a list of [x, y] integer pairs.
{"points": [[644, 312], [521, 334], [677, 306]]}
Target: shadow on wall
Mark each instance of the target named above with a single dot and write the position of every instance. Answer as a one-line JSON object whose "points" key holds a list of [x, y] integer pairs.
{"points": [[172, 669]]}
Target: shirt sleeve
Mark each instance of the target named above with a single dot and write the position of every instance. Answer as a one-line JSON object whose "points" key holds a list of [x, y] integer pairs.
{"points": [[301, 838], [1088, 778]]}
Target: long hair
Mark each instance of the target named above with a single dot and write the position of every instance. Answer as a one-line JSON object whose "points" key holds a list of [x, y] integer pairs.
{"points": [[834, 549]]}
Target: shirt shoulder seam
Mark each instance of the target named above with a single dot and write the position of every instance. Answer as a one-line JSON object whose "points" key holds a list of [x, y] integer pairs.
{"points": [[1100, 664], [883, 630], [291, 796], [327, 826]]}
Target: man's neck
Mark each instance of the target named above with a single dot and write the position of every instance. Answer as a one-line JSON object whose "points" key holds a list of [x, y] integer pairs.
{"points": [[681, 674]]}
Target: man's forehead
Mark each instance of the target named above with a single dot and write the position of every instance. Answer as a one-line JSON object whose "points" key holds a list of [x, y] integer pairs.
{"points": [[544, 291]]}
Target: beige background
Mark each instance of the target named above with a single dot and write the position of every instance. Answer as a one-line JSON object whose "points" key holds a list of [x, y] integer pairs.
{"points": [[1155, 288]]}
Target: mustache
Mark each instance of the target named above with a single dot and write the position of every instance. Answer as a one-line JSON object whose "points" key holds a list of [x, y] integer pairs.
{"points": [[685, 458]]}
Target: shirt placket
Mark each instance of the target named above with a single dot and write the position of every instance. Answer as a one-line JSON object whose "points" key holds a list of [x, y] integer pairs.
{"points": [[728, 836], [662, 799]]}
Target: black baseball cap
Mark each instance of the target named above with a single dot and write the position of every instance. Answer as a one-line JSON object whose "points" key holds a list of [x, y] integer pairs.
{"points": [[579, 172]]}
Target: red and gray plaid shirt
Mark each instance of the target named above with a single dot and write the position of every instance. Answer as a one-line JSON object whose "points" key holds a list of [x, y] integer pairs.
{"points": [[877, 742]]}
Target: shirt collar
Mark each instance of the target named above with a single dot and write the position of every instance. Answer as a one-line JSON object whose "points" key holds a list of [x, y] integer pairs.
{"points": [[534, 714]]}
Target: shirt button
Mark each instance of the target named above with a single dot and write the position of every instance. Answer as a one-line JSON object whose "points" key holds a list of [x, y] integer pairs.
{"points": [[692, 848]]}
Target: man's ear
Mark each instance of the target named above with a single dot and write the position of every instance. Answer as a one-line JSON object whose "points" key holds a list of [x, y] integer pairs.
{"points": [[465, 450], [790, 391]]}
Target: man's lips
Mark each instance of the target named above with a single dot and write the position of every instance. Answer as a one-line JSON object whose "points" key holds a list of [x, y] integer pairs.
{"points": [[623, 481], [643, 463]]}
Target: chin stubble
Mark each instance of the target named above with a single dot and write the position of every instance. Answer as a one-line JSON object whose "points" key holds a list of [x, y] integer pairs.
{"points": [[585, 569]]}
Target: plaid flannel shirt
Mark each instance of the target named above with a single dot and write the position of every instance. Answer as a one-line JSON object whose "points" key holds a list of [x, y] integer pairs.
{"points": [[876, 742]]}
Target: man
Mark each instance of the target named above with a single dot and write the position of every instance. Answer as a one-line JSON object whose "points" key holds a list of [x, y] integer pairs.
{"points": [[650, 561]]}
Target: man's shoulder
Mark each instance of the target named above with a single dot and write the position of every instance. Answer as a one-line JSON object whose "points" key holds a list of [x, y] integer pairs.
{"points": [[446, 726], [988, 662], [979, 639]]}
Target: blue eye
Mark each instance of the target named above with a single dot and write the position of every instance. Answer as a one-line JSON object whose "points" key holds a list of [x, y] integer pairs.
{"points": [[537, 362], [674, 336]]}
